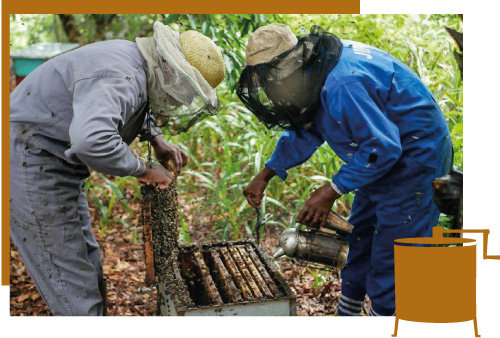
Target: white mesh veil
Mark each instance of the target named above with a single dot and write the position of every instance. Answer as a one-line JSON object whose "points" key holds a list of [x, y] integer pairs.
{"points": [[179, 95]]}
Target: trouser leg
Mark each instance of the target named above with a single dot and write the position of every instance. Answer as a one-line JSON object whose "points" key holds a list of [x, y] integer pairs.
{"points": [[47, 229], [358, 260], [380, 282], [403, 205], [408, 211], [92, 245]]}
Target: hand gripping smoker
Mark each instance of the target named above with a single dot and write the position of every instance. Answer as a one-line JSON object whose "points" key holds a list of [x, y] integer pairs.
{"points": [[325, 246]]}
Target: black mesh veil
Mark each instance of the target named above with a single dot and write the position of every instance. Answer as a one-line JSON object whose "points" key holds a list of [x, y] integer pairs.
{"points": [[285, 93]]}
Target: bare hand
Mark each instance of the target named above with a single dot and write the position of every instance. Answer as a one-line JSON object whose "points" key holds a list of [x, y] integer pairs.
{"points": [[167, 152], [316, 209], [255, 190], [157, 175]]}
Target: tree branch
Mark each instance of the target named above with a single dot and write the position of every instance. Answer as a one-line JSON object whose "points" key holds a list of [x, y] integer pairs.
{"points": [[71, 28]]}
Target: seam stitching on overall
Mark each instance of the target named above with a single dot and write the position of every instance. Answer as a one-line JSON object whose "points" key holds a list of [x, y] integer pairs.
{"points": [[40, 230], [41, 128]]}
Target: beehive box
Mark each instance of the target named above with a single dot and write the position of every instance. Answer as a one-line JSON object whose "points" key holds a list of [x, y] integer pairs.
{"points": [[228, 278], [209, 279], [29, 58]]}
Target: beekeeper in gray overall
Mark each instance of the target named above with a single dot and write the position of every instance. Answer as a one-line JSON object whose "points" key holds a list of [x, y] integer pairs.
{"points": [[82, 109]]}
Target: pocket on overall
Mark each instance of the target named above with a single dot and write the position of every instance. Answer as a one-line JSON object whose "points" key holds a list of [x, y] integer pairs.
{"points": [[53, 186], [406, 195]]}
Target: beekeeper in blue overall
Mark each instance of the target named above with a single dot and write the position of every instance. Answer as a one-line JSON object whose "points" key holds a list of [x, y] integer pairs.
{"points": [[82, 109], [381, 121]]}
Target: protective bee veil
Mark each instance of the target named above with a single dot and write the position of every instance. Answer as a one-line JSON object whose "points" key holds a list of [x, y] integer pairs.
{"points": [[285, 92]]}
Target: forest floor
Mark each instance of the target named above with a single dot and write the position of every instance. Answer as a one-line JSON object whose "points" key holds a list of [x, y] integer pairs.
{"points": [[317, 291]]}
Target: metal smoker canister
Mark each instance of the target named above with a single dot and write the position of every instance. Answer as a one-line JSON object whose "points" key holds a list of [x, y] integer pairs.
{"points": [[313, 246], [436, 282]]}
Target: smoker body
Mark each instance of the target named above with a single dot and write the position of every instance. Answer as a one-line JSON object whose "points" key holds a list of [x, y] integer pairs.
{"points": [[313, 246], [226, 279], [324, 246]]}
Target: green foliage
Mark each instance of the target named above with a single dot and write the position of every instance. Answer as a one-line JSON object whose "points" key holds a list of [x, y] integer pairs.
{"points": [[229, 149], [27, 29], [319, 277], [106, 193], [184, 236]]}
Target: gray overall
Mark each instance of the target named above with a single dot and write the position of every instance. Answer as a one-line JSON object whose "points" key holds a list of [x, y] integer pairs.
{"points": [[78, 110]]}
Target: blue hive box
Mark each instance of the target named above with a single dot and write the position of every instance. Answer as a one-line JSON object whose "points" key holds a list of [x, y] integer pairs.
{"points": [[27, 59]]}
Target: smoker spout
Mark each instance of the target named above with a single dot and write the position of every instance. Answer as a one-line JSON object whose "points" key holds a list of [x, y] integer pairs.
{"points": [[278, 253]]}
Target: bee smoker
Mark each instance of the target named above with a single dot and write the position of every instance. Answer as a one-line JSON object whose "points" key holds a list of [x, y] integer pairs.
{"points": [[326, 246]]}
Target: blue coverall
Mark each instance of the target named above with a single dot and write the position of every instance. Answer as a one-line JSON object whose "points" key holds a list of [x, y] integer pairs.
{"points": [[383, 122]]}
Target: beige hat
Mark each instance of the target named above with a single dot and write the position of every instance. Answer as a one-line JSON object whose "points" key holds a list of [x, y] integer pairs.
{"points": [[268, 42], [202, 53]]}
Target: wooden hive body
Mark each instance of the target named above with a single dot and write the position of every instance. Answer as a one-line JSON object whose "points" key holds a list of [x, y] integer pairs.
{"points": [[218, 279]]}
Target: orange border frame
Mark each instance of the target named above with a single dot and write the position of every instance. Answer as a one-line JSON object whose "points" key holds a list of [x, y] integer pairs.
{"points": [[95, 6]]}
